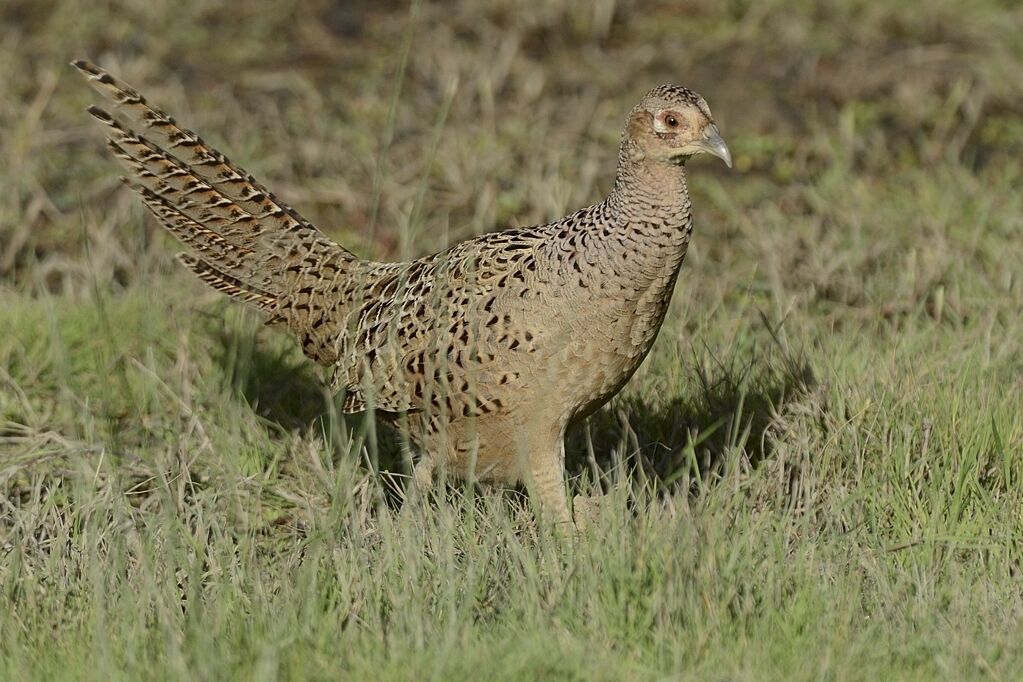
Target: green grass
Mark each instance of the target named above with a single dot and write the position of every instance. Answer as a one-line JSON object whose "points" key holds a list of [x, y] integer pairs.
{"points": [[817, 474]]}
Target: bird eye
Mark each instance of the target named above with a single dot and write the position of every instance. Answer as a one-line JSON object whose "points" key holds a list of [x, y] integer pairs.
{"points": [[671, 121]]}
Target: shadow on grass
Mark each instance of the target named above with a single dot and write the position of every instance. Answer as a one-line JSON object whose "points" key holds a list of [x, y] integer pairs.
{"points": [[290, 392], [669, 442], [687, 438], [282, 386]]}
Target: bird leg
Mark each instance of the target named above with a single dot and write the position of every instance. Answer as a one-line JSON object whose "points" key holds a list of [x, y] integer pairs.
{"points": [[547, 483], [421, 483]]}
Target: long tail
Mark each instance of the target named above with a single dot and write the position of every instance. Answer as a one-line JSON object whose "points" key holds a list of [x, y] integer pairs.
{"points": [[246, 242]]}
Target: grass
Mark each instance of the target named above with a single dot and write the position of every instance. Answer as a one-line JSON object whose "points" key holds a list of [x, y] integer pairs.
{"points": [[817, 474]]}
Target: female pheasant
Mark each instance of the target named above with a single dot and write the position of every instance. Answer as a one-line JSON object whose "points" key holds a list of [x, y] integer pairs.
{"points": [[488, 350]]}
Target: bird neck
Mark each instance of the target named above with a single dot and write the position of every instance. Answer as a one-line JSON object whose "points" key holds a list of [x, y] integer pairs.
{"points": [[651, 196]]}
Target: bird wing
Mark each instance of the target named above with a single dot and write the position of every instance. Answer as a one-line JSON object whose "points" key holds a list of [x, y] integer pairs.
{"points": [[434, 334]]}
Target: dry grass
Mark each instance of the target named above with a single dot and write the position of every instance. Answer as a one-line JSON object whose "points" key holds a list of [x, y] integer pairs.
{"points": [[817, 473]]}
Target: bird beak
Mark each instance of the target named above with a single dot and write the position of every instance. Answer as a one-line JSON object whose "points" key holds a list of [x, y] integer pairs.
{"points": [[713, 144]]}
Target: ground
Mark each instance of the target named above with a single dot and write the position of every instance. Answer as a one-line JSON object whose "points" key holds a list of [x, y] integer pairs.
{"points": [[817, 474]]}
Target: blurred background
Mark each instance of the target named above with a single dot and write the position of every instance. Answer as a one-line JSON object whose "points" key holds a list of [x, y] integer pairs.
{"points": [[399, 127]]}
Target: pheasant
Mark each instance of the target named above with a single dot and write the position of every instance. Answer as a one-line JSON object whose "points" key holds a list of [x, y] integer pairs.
{"points": [[483, 354]]}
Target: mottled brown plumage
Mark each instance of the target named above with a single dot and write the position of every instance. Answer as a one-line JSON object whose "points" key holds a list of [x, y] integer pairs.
{"points": [[491, 348]]}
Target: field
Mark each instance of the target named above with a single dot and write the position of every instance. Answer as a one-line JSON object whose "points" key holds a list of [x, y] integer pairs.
{"points": [[817, 474]]}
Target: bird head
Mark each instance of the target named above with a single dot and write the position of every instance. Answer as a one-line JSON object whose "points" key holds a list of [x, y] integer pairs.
{"points": [[670, 124]]}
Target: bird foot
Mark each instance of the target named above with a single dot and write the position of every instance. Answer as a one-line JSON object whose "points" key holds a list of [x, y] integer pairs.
{"points": [[586, 510]]}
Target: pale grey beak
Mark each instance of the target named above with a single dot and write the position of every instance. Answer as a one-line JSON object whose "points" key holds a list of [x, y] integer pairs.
{"points": [[713, 144]]}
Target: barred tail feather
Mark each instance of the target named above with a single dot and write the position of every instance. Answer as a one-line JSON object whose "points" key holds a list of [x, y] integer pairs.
{"points": [[245, 242], [221, 281]]}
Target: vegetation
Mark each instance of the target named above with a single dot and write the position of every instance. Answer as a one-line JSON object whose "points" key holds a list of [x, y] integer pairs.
{"points": [[816, 475]]}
